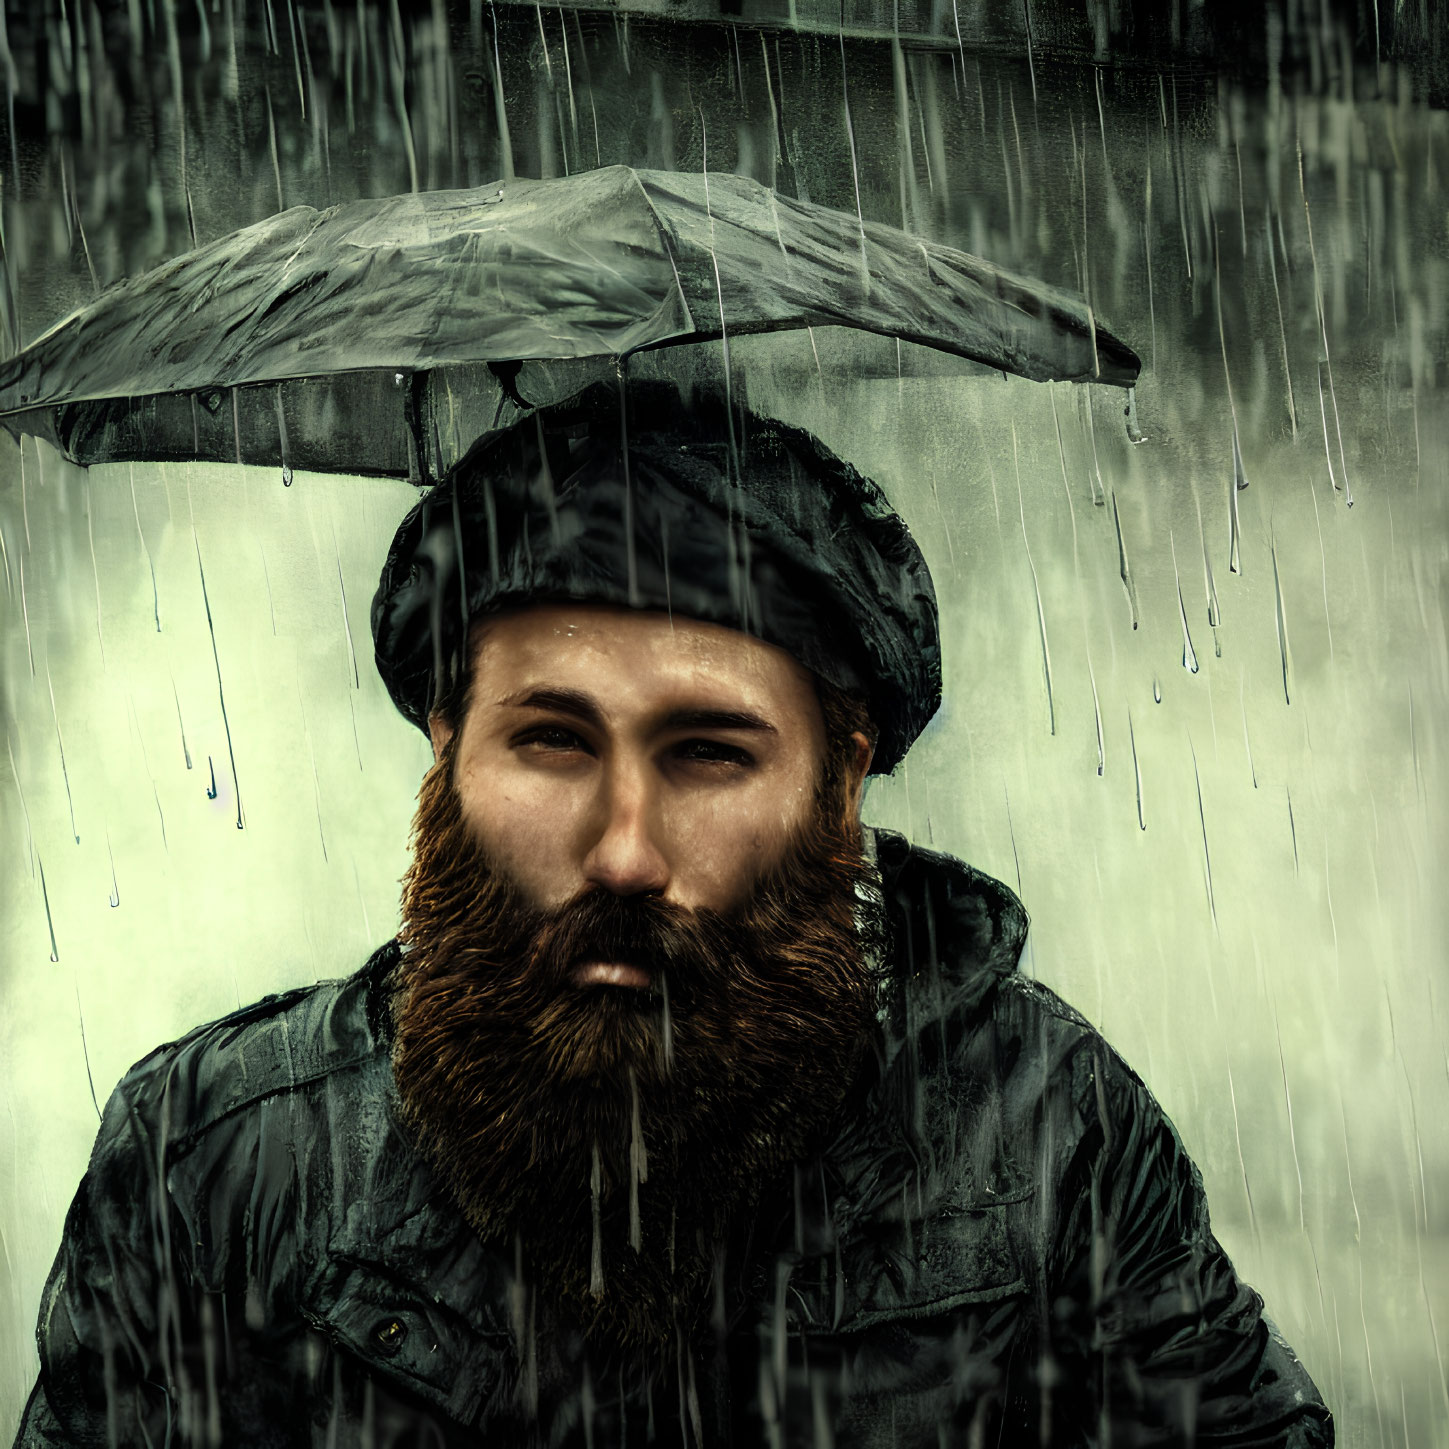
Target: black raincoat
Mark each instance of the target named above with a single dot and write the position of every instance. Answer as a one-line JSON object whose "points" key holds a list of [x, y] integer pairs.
{"points": [[1006, 1244]]}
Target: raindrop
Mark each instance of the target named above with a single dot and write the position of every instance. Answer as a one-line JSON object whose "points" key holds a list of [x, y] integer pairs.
{"points": [[1189, 654], [316, 791], [629, 540], [1214, 617], [135, 508], [1202, 821], [49, 920], [1156, 690], [1247, 746], [85, 1050], [211, 788], [60, 744], [1288, 1103], [185, 748], [1134, 433], [1046, 658], [220, 691], [267, 580], [1240, 481], [1242, 1163], [638, 1163], [1282, 331], [115, 896], [1281, 619], [596, 1255], [1123, 568], [282, 443], [1097, 713], [569, 78], [1011, 834], [1062, 459], [346, 622], [1325, 363], [1098, 488], [25, 613], [505, 140], [1323, 565], [696, 1418], [854, 165]]}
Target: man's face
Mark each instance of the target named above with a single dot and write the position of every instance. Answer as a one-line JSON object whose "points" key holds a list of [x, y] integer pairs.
{"points": [[635, 982], [625, 750]]}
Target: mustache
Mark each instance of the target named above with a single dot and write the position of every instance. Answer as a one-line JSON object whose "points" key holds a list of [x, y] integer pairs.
{"points": [[520, 993], [654, 935]]}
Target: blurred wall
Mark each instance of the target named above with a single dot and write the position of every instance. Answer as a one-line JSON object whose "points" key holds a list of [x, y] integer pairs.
{"points": [[1226, 817]]}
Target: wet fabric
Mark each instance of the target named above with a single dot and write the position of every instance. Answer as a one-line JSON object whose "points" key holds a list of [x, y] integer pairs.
{"points": [[1005, 1242], [688, 506]]}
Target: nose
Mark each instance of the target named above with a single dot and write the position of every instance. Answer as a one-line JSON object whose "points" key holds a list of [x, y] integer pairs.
{"points": [[625, 857]]}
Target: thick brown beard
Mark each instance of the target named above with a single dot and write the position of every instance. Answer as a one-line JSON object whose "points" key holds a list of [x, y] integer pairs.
{"points": [[536, 1099]]}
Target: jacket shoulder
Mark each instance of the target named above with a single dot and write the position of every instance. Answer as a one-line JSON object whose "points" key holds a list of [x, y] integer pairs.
{"points": [[281, 1043]]}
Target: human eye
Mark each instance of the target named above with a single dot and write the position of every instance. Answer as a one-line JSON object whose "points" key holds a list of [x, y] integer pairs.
{"points": [[549, 739], [713, 752]]}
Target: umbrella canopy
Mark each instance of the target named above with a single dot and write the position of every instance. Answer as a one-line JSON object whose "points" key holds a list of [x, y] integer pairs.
{"points": [[387, 336]]}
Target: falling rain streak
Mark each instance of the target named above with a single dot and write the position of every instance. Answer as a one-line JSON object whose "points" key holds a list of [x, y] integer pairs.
{"points": [[45, 898], [638, 1162], [1214, 615], [85, 1050], [1097, 715], [596, 1251], [1236, 486], [1046, 658], [1123, 569], [1285, 204], [1136, 772], [1207, 864], [60, 746], [1189, 654], [1280, 618], [220, 694]]}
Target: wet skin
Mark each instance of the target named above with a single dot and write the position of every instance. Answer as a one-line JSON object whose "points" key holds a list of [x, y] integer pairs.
{"points": [[619, 749]]}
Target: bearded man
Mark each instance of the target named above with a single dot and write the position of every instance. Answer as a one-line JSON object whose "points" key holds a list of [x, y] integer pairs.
{"points": [[683, 1109]]}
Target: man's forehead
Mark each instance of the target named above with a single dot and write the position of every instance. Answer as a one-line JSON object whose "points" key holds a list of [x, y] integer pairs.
{"points": [[580, 637]]}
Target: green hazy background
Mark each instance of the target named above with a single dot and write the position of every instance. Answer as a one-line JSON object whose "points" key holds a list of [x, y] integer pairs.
{"points": [[1237, 871]]}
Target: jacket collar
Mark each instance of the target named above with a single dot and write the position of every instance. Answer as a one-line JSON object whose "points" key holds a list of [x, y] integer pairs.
{"points": [[954, 933]]}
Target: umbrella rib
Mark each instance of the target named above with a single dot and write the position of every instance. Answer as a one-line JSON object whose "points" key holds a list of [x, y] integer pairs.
{"points": [[310, 233], [668, 250]]}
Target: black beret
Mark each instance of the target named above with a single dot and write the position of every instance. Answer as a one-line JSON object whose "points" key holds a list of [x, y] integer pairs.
{"points": [[685, 504]]}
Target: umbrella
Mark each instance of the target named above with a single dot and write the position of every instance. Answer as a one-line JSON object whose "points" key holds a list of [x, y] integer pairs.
{"points": [[386, 336]]}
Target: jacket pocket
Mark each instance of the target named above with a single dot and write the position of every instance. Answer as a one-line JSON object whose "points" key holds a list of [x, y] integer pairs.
{"points": [[400, 1336], [909, 1270]]}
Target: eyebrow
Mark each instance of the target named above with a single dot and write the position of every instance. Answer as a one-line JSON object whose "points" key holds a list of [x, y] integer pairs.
{"points": [[583, 707]]}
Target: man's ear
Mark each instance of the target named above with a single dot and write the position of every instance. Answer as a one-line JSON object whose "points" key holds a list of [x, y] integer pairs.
{"points": [[440, 732], [859, 769]]}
